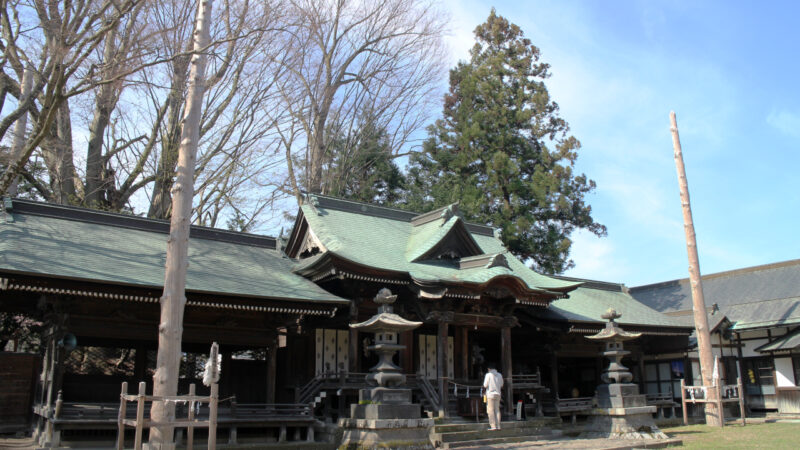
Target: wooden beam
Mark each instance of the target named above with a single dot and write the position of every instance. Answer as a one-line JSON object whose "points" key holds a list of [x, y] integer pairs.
{"points": [[505, 344], [353, 358], [463, 352], [170, 328], [696, 282], [272, 367], [441, 364]]}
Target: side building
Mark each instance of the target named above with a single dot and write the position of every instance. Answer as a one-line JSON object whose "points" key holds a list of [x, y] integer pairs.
{"points": [[754, 317]]}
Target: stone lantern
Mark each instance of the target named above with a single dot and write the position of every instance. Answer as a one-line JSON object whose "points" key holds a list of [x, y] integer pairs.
{"points": [[386, 325], [384, 416], [622, 412]]}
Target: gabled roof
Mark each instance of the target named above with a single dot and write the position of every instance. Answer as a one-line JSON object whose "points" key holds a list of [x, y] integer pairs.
{"points": [[769, 313], [387, 239], [786, 343], [589, 302], [751, 284], [69, 243], [752, 297], [431, 239]]}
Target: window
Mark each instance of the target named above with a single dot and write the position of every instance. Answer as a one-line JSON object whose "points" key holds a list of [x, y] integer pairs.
{"points": [[796, 364], [663, 377], [758, 375]]}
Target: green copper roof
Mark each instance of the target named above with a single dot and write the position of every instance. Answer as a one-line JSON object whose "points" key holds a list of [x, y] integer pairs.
{"points": [[386, 239], [589, 302], [425, 237], [73, 243]]}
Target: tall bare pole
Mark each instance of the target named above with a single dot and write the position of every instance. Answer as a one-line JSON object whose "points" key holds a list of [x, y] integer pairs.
{"points": [[698, 302], [170, 330], [18, 144]]}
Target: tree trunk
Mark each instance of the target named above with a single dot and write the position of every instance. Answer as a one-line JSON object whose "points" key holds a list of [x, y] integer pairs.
{"points": [[105, 102], [698, 302], [161, 201], [317, 155], [19, 128], [170, 330], [58, 156]]}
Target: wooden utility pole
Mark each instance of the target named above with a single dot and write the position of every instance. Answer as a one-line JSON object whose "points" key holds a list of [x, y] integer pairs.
{"points": [[18, 144], [698, 302], [170, 330]]}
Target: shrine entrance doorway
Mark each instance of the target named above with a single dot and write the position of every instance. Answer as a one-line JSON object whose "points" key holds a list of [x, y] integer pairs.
{"points": [[484, 347]]}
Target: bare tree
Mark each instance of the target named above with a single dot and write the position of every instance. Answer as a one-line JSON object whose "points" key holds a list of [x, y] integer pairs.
{"points": [[349, 57], [170, 329], [234, 122], [57, 46]]}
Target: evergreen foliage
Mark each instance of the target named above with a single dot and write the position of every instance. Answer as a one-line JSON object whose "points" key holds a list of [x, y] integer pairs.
{"points": [[502, 151], [361, 166]]}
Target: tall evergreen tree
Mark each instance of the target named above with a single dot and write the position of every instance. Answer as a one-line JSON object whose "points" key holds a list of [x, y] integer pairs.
{"points": [[502, 151], [361, 165]]}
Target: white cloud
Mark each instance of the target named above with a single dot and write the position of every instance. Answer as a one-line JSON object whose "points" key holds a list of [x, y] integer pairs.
{"points": [[787, 122], [596, 258]]}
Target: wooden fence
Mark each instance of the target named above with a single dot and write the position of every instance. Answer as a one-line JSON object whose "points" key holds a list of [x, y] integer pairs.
{"points": [[732, 393], [190, 422]]}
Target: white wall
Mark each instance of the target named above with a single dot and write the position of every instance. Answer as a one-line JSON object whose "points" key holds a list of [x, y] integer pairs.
{"points": [[784, 372]]}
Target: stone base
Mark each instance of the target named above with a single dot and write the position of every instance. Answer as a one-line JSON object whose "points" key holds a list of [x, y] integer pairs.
{"points": [[620, 395], [399, 434], [376, 411], [623, 423], [384, 395]]}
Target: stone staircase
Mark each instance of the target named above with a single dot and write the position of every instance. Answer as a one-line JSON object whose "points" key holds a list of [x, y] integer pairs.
{"points": [[471, 434]]}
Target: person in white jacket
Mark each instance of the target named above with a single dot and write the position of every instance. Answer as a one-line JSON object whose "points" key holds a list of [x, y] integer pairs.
{"points": [[493, 383]]}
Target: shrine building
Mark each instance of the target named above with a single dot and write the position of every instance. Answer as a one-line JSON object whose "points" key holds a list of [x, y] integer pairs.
{"points": [[280, 310]]}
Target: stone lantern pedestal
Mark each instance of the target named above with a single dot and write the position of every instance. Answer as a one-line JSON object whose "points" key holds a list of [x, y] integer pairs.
{"points": [[621, 413], [384, 416]]}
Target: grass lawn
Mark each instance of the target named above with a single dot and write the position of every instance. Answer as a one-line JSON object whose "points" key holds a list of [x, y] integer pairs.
{"points": [[758, 435]]}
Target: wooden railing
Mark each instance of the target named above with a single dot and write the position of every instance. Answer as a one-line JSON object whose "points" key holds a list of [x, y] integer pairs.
{"points": [[190, 422], [310, 390], [724, 394], [430, 393], [527, 380]]}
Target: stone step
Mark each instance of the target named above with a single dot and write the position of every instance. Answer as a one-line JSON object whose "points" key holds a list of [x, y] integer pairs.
{"points": [[498, 440], [484, 433], [537, 423]]}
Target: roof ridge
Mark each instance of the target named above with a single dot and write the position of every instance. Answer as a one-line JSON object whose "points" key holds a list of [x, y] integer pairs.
{"points": [[99, 217], [761, 301], [386, 212], [596, 284], [726, 273]]}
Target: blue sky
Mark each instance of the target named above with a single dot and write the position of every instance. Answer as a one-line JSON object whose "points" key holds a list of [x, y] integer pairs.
{"points": [[730, 72]]}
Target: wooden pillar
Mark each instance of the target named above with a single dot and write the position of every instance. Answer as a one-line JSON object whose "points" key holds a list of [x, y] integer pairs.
{"points": [[225, 371], [407, 354], [140, 363], [554, 373], [441, 364], [598, 370], [702, 332], [739, 359], [354, 360], [505, 344], [464, 353], [44, 432], [272, 367], [642, 375]]}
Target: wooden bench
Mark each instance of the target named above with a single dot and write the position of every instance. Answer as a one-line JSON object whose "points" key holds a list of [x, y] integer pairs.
{"points": [[662, 401], [77, 416], [268, 415], [571, 407], [104, 416]]}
